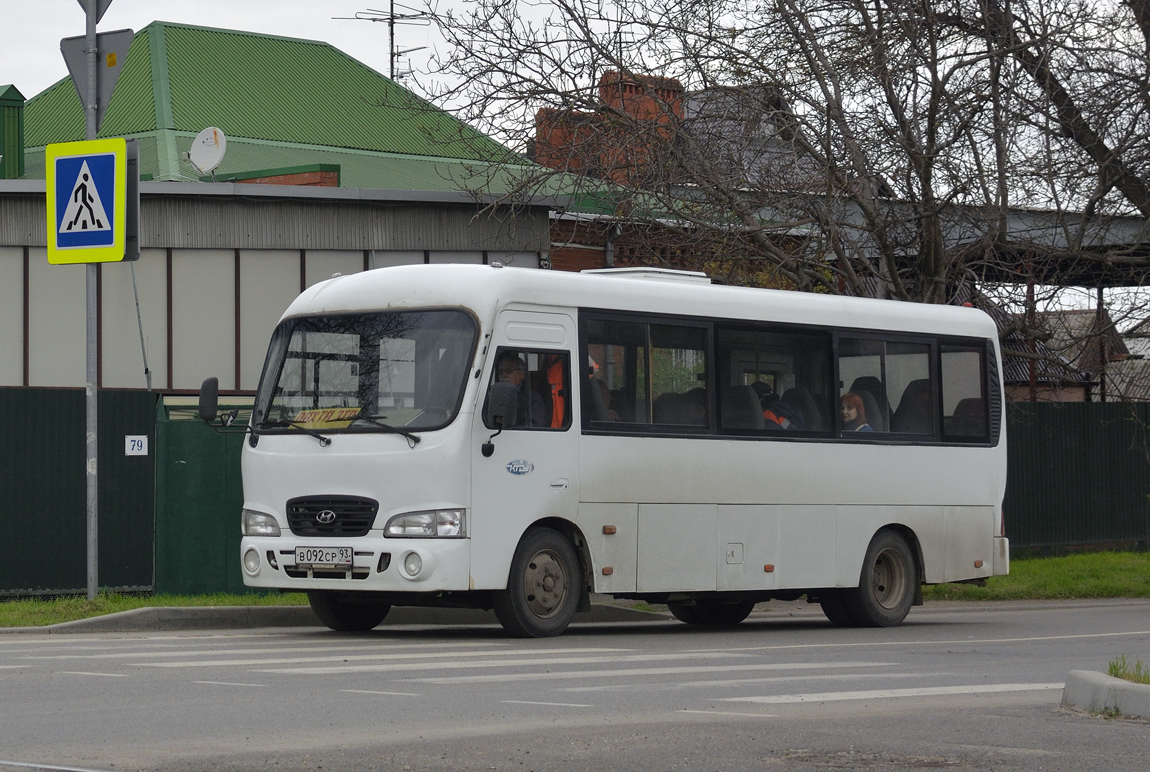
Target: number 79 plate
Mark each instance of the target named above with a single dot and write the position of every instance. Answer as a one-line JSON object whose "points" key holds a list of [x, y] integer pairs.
{"points": [[331, 557]]}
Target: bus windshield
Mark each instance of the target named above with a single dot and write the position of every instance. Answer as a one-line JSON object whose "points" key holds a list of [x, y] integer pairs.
{"points": [[366, 372]]}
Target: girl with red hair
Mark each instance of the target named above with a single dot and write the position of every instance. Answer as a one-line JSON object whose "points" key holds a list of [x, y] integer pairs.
{"points": [[854, 414]]}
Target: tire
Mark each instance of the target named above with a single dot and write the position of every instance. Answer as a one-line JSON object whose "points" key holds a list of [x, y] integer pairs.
{"points": [[711, 613], [835, 608], [342, 613], [887, 583], [543, 586]]}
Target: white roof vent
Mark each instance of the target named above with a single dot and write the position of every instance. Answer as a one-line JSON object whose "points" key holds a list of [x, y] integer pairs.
{"points": [[658, 274]]}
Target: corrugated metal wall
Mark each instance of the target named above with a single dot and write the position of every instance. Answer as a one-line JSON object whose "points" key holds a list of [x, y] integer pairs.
{"points": [[1079, 473], [265, 222], [42, 511]]}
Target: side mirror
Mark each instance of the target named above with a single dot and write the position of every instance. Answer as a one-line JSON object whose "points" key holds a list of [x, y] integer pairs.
{"points": [[502, 404], [209, 399], [502, 407]]}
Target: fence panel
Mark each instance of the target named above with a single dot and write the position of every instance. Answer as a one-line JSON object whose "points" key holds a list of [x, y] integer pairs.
{"points": [[43, 514], [1078, 474], [198, 502]]}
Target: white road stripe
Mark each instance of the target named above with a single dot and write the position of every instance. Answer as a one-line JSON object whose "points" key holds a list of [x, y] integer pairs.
{"points": [[645, 671], [486, 664], [552, 704], [728, 713], [106, 675], [11, 667], [674, 685], [27, 765], [394, 694], [878, 694], [233, 652], [376, 657], [961, 641], [225, 683]]}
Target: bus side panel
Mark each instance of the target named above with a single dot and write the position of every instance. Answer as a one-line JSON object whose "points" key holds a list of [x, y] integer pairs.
{"points": [[618, 550], [748, 543], [969, 542], [806, 546], [676, 547], [858, 525]]}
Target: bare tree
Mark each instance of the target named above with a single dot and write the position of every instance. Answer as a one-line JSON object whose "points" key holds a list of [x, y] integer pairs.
{"points": [[894, 148]]}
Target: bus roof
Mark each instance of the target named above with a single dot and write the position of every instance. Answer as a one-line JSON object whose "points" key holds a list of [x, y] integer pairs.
{"points": [[487, 289]]}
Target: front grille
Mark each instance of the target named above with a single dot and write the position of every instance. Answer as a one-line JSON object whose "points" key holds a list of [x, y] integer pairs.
{"points": [[353, 516]]}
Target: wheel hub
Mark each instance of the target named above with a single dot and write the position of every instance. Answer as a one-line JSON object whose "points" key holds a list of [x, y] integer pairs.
{"points": [[889, 579], [546, 584]]}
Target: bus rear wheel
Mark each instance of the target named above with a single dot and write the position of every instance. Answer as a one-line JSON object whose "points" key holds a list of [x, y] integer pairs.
{"points": [[543, 587], [342, 613], [886, 584], [711, 612]]}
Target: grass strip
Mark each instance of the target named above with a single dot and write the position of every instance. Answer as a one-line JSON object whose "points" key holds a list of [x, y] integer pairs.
{"points": [[1120, 668], [1083, 575], [32, 612]]}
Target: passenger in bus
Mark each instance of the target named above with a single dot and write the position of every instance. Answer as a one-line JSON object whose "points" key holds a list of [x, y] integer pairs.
{"points": [[854, 414], [513, 369]]}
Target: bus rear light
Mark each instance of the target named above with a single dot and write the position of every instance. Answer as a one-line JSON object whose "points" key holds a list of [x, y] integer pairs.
{"points": [[1002, 521]]}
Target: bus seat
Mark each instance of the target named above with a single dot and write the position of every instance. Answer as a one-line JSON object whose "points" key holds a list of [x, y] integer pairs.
{"points": [[913, 415], [741, 408], [801, 399], [969, 418], [596, 406], [868, 384], [871, 407]]}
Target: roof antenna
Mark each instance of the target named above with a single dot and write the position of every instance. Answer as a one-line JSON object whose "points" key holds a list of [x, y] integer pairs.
{"points": [[412, 16]]}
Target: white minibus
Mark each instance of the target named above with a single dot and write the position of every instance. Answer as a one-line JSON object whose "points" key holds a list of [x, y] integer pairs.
{"points": [[517, 439]]}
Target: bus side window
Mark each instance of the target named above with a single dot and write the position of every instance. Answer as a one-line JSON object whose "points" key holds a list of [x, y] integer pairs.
{"points": [[541, 378], [964, 392], [890, 386]]}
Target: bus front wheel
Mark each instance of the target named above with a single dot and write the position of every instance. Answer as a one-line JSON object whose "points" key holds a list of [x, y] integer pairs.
{"points": [[342, 613], [886, 584], [543, 586]]}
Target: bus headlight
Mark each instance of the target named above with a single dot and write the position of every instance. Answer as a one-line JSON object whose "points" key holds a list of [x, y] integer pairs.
{"points": [[259, 524], [442, 523]]}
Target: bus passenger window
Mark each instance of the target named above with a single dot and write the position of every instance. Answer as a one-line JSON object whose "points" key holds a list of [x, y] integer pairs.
{"points": [[891, 386], [541, 378], [774, 380], [679, 375], [964, 392]]}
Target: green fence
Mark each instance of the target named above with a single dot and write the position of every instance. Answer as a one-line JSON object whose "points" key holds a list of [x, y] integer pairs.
{"points": [[1079, 474], [43, 514], [198, 501]]}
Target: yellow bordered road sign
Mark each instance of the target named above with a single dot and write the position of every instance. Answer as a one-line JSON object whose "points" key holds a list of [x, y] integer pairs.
{"points": [[87, 200]]}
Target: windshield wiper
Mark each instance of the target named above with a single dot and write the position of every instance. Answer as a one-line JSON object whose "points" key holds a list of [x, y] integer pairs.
{"points": [[323, 440], [413, 439]]}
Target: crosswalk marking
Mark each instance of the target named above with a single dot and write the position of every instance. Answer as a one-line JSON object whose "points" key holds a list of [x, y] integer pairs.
{"points": [[288, 650], [743, 681], [959, 642], [393, 694], [925, 691], [645, 671], [225, 683], [27, 765], [393, 666], [552, 704], [730, 713], [105, 675], [367, 657]]}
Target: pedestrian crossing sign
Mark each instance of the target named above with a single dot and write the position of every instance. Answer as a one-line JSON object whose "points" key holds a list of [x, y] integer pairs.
{"points": [[87, 196]]}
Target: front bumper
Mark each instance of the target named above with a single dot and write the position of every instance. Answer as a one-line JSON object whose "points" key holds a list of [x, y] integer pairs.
{"points": [[378, 564]]}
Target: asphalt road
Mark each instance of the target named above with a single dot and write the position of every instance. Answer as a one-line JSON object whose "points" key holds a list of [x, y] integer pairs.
{"points": [[973, 686]]}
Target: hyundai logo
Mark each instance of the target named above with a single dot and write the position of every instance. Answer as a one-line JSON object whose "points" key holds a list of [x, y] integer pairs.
{"points": [[325, 517]]}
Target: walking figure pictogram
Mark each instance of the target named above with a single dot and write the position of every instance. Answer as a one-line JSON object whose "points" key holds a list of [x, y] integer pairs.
{"points": [[85, 211]]}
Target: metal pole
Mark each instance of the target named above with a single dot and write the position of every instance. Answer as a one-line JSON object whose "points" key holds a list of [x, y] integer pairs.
{"points": [[90, 430], [391, 40]]}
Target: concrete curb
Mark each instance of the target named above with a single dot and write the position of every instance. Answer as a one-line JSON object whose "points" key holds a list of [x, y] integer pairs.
{"points": [[1098, 693], [153, 619]]}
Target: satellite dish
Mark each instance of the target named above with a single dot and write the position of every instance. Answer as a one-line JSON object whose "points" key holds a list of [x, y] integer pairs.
{"points": [[208, 150]]}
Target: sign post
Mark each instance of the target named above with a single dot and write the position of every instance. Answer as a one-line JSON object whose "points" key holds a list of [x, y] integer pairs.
{"points": [[93, 213]]}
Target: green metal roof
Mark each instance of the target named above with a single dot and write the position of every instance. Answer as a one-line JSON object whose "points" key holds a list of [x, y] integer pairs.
{"points": [[280, 101]]}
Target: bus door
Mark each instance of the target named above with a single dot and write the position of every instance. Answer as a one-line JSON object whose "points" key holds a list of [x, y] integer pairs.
{"points": [[531, 474]]}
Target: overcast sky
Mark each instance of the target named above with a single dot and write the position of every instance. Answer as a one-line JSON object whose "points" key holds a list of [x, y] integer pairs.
{"points": [[34, 28]]}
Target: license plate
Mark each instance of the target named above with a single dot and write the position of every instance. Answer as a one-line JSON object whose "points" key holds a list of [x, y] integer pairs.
{"points": [[330, 557]]}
